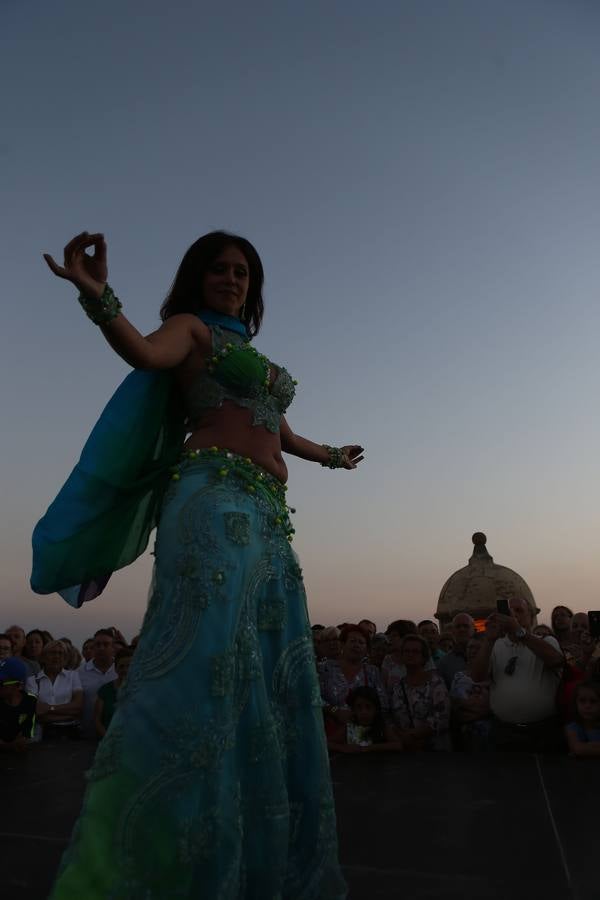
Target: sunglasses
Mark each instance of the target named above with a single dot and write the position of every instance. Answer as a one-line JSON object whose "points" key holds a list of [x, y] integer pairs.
{"points": [[511, 665]]}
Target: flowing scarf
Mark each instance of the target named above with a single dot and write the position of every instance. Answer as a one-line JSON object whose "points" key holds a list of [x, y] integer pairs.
{"points": [[102, 517]]}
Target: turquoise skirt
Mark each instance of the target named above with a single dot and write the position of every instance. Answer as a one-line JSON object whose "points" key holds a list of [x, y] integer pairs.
{"points": [[213, 779]]}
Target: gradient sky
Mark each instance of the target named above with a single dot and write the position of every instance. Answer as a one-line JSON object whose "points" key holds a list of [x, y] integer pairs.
{"points": [[422, 182]]}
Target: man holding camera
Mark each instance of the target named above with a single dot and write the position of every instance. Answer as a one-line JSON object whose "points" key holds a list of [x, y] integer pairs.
{"points": [[524, 672]]}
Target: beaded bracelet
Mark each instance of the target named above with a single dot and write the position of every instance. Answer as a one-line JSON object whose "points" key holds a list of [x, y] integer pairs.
{"points": [[337, 457], [101, 310]]}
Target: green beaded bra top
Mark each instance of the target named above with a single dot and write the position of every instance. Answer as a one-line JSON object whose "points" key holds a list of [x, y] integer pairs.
{"points": [[238, 372]]}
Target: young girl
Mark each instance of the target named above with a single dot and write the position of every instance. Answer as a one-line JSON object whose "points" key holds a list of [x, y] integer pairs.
{"points": [[367, 729], [583, 734]]}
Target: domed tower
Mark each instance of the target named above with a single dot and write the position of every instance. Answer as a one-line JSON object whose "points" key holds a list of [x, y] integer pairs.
{"points": [[476, 588]]}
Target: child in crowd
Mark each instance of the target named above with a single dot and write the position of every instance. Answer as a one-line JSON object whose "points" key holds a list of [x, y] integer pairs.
{"points": [[367, 729], [17, 707], [583, 734]]}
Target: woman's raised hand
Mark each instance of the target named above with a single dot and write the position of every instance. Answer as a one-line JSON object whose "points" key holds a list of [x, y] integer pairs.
{"points": [[353, 454], [88, 273]]}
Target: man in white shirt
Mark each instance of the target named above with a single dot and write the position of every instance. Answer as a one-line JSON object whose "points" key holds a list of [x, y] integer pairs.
{"points": [[524, 672], [94, 673]]}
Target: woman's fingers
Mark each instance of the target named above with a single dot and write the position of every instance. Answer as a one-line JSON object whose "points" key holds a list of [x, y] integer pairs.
{"points": [[99, 244], [54, 267], [353, 454], [74, 243], [81, 242]]}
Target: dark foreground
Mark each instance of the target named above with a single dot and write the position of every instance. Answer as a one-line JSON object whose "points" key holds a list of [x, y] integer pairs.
{"points": [[412, 827]]}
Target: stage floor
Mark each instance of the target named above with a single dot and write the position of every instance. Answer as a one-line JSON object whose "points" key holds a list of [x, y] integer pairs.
{"points": [[448, 826]]}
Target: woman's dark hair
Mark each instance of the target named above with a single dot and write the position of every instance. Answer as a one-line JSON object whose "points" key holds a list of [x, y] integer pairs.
{"points": [[417, 639], [348, 629], [592, 684], [371, 696], [401, 627], [185, 293], [556, 608], [42, 634]]}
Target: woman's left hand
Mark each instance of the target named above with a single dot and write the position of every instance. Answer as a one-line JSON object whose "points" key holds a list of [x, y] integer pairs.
{"points": [[353, 454]]}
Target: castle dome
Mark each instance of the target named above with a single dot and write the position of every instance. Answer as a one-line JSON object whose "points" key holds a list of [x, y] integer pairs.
{"points": [[476, 588]]}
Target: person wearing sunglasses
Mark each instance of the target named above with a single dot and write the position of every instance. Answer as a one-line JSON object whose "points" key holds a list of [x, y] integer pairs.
{"points": [[524, 671]]}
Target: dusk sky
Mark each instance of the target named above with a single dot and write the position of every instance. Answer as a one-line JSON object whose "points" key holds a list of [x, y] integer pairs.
{"points": [[421, 180]]}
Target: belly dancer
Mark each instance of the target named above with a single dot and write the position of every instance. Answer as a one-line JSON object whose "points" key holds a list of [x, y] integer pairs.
{"points": [[213, 779]]}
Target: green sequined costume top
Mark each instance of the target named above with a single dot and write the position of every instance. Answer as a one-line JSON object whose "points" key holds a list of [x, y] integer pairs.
{"points": [[239, 373]]}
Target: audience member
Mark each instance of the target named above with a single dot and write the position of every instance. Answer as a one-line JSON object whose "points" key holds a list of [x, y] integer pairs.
{"points": [[470, 705], [74, 658], [369, 627], [580, 623], [543, 631], [94, 673], [316, 636], [562, 619], [429, 630], [73, 655], [576, 642], [60, 694], [5, 646], [87, 649], [446, 642], [380, 647], [17, 707], [524, 671], [34, 645], [367, 729], [329, 643], [419, 701], [17, 638], [463, 629], [580, 631], [339, 676], [583, 733], [392, 667], [108, 694]]}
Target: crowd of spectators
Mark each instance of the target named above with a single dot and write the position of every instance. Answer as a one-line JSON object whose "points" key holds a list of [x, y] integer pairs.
{"points": [[51, 691], [409, 689], [511, 687]]}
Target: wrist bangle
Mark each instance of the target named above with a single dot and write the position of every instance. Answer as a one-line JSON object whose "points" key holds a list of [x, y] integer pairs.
{"points": [[336, 455], [101, 310]]}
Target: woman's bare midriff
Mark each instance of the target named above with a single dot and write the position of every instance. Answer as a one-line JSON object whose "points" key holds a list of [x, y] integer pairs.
{"points": [[230, 428]]}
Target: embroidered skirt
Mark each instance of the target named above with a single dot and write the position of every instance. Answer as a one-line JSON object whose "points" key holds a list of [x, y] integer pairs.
{"points": [[213, 779]]}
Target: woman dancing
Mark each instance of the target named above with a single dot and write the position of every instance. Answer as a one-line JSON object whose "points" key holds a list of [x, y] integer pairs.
{"points": [[213, 779]]}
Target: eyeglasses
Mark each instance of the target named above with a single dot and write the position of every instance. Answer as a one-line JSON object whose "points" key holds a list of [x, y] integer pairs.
{"points": [[511, 665]]}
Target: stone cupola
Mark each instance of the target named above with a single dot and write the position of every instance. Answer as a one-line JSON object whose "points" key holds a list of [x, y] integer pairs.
{"points": [[476, 588]]}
